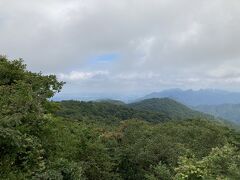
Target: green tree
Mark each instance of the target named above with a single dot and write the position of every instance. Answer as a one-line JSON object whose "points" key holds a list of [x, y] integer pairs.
{"points": [[24, 102], [221, 163], [160, 171]]}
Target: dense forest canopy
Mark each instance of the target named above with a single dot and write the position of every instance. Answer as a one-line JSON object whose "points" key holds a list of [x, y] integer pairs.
{"points": [[70, 140]]}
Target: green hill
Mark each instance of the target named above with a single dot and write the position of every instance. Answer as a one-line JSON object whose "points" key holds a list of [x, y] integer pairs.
{"points": [[106, 112], [151, 110], [112, 101], [172, 108]]}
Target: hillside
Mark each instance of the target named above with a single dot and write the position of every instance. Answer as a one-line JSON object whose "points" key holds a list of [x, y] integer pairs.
{"points": [[151, 110], [198, 97], [229, 112], [106, 112], [112, 101], [174, 109]]}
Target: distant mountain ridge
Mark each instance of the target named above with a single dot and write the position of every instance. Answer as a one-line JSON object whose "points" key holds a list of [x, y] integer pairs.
{"points": [[229, 112], [198, 97]]}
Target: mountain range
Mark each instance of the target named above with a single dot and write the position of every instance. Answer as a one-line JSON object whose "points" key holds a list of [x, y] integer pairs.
{"points": [[230, 112], [198, 97]]}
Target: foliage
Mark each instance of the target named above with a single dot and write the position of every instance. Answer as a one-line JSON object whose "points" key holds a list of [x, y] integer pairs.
{"points": [[106, 112], [167, 106], [23, 101], [221, 163], [160, 171]]}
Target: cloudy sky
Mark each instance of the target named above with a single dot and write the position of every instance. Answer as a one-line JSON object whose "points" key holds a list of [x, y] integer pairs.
{"points": [[126, 46]]}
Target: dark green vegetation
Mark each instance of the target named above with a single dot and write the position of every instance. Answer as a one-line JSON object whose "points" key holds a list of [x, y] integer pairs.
{"points": [[229, 112], [111, 101], [173, 109], [89, 140], [151, 110], [106, 112]]}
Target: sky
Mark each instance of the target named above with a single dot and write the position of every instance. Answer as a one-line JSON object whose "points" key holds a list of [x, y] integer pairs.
{"points": [[126, 46]]}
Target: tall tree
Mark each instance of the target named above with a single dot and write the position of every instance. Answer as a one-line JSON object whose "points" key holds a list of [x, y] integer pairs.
{"points": [[24, 101]]}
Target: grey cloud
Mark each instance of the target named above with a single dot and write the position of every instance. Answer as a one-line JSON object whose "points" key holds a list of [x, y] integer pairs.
{"points": [[180, 43]]}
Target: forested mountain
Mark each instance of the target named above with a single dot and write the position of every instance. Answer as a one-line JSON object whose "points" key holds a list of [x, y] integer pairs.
{"points": [[106, 111], [152, 110], [174, 109], [199, 97], [112, 101], [69, 140], [229, 112]]}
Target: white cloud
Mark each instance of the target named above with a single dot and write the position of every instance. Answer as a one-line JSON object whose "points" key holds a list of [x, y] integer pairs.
{"points": [[227, 70], [76, 76], [161, 43]]}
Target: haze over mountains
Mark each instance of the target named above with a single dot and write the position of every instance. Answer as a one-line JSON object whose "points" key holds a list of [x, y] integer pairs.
{"points": [[229, 112], [188, 97], [198, 97], [218, 103]]}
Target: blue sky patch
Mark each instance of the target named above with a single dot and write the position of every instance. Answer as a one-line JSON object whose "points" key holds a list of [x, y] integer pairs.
{"points": [[104, 58]]}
